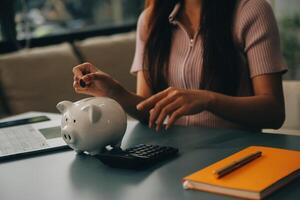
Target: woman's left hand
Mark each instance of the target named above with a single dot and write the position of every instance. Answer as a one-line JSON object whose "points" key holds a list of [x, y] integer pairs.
{"points": [[174, 103]]}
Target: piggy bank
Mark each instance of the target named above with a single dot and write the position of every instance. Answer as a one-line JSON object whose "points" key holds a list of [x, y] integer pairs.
{"points": [[89, 125]]}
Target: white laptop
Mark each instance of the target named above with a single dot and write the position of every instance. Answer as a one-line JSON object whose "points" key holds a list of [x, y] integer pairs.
{"points": [[36, 134]]}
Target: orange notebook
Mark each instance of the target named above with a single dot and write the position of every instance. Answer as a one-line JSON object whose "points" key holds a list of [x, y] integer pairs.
{"points": [[255, 180]]}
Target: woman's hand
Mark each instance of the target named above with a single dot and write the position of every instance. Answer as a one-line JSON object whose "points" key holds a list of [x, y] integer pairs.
{"points": [[174, 103], [97, 83]]}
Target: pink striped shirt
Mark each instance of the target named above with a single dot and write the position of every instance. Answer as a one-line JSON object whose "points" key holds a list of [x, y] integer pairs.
{"points": [[256, 34]]}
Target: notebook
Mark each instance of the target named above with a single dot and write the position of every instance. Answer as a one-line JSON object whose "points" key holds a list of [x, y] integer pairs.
{"points": [[255, 180]]}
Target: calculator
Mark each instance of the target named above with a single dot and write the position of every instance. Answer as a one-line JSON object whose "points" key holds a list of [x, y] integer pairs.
{"points": [[137, 157]]}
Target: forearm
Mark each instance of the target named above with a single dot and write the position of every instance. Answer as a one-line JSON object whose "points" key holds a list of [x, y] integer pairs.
{"points": [[261, 111], [128, 101]]}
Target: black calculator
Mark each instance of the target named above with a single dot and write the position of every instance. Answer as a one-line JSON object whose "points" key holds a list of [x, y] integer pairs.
{"points": [[137, 157]]}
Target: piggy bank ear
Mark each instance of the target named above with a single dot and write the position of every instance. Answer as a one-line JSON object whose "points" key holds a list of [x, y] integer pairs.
{"points": [[94, 112], [63, 106]]}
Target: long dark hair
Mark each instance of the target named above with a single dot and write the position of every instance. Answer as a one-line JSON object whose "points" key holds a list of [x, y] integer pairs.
{"points": [[220, 70]]}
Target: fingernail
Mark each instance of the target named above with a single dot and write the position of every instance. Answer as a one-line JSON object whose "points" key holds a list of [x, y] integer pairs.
{"points": [[138, 107]]}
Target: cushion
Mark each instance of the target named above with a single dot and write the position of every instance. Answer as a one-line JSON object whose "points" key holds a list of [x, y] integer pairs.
{"points": [[37, 79], [111, 54]]}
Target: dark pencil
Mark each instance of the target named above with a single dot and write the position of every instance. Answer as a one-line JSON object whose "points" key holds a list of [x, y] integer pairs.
{"points": [[236, 164]]}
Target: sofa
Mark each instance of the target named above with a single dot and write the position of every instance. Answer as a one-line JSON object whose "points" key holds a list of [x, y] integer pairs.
{"points": [[36, 79]]}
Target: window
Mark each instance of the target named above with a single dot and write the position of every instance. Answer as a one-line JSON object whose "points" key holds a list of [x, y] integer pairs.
{"points": [[287, 13], [40, 18], [48, 19], [31, 23]]}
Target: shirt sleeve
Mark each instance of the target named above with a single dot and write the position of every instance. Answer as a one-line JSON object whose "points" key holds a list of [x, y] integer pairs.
{"points": [[138, 59], [259, 35]]}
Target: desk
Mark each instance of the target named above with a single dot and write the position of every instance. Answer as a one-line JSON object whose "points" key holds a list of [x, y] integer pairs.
{"points": [[65, 175]]}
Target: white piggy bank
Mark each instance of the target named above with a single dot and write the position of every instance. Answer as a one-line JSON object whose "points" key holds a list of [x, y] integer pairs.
{"points": [[92, 123]]}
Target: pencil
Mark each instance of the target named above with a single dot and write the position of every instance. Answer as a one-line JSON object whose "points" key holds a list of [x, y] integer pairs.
{"points": [[236, 164]]}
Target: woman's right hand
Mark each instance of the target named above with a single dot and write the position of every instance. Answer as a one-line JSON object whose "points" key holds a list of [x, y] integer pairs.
{"points": [[97, 83]]}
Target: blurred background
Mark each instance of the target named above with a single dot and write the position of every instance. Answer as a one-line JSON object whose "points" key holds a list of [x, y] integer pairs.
{"points": [[288, 17], [61, 20], [57, 20], [38, 18], [42, 40]]}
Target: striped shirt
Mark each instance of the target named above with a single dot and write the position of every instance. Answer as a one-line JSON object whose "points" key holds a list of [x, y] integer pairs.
{"points": [[256, 35]]}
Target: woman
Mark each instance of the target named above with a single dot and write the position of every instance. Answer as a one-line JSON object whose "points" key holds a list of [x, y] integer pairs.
{"points": [[208, 63]]}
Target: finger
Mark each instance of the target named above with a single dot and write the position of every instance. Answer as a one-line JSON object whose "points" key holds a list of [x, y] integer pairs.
{"points": [[89, 68], [83, 69], [151, 101], [78, 84], [78, 71], [165, 112], [92, 76], [87, 91], [175, 115], [158, 108], [75, 84], [76, 78], [88, 79], [150, 113], [80, 90]]}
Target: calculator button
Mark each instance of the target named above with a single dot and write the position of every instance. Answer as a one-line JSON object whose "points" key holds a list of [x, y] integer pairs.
{"points": [[139, 156]]}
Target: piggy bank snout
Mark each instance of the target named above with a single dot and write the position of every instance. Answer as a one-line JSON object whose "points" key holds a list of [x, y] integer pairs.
{"points": [[68, 136]]}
